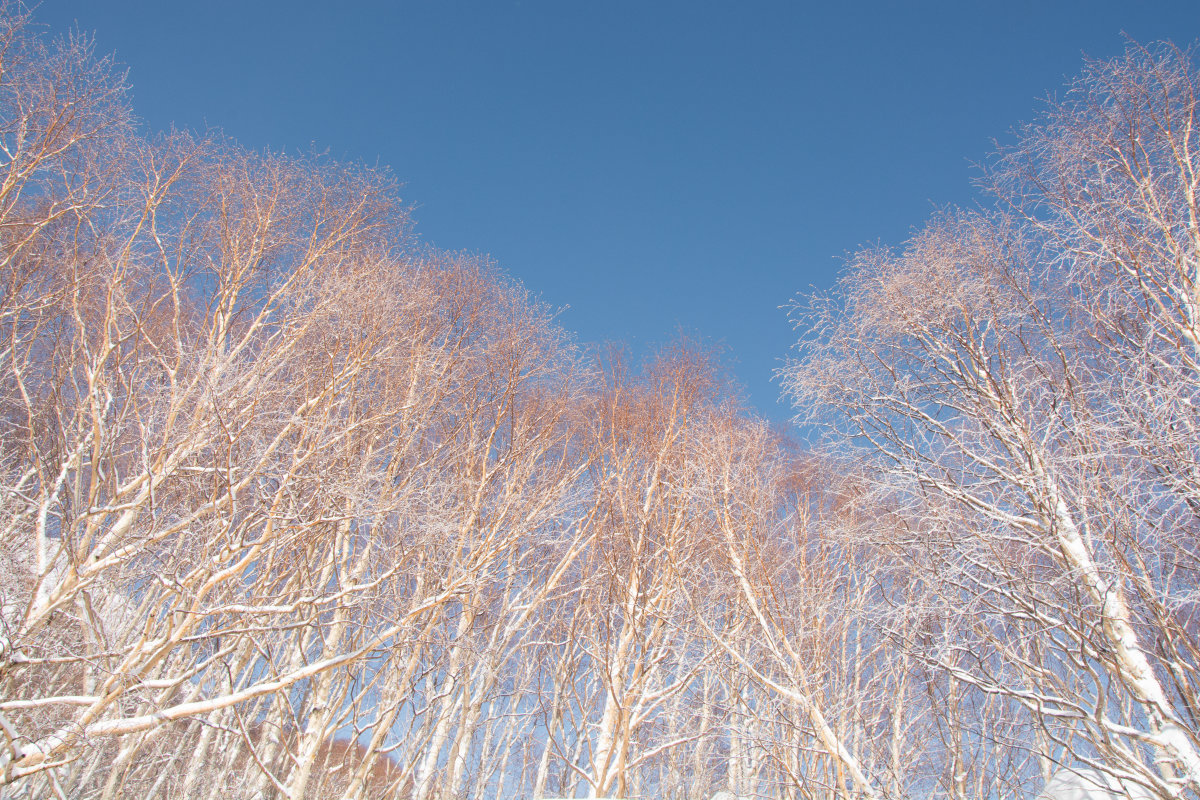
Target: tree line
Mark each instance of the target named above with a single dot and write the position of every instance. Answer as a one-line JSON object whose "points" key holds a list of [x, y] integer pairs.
{"points": [[294, 506]]}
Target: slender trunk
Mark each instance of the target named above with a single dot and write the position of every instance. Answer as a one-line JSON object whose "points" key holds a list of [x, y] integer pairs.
{"points": [[452, 694]]}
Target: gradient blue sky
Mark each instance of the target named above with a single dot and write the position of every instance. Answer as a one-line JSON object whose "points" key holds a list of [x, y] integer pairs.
{"points": [[647, 167]]}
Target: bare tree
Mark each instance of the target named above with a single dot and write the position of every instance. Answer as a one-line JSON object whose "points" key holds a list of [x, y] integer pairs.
{"points": [[1020, 384]]}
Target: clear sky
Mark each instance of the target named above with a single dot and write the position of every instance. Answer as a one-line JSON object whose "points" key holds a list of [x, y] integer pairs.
{"points": [[645, 166]]}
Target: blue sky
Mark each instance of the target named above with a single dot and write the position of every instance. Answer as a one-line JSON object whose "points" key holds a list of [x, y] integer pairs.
{"points": [[646, 167]]}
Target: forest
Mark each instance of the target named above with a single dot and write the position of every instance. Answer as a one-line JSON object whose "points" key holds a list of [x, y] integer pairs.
{"points": [[293, 505]]}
